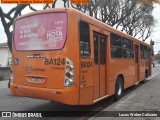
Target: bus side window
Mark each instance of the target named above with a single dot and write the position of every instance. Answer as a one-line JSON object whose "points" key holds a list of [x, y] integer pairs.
{"points": [[102, 50], [145, 53], [95, 49], [116, 46], [142, 51], [84, 39], [127, 48]]}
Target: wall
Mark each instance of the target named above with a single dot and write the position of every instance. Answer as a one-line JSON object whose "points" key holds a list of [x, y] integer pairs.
{"points": [[5, 57], [5, 61], [5, 72]]}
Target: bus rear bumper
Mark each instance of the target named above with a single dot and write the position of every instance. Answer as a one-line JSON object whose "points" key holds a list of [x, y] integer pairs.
{"points": [[68, 95]]}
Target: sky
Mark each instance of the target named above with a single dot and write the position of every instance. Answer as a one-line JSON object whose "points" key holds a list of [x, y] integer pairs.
{"points": [[155, 35]]}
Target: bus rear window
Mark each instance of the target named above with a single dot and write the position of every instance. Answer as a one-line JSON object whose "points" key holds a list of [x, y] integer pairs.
{"points": [[41, 32]]}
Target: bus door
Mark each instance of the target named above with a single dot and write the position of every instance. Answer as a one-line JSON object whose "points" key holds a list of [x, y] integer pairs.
{"points": [[136, 49], [99, 65]]}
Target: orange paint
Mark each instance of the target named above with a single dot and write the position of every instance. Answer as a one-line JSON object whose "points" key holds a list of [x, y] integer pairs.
{"points": [[59, 72]]}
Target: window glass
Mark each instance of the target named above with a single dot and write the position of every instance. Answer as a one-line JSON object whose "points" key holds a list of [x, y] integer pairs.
{"points": [[127, 53], [142, 51], [132, 50], [116, 40], [121, 47], [127, 48], [41, 32], [116, 52], [84, 39], [136, 47], [102, 50], [126, 43], [116, 46], [145, 53], [95, 49]]}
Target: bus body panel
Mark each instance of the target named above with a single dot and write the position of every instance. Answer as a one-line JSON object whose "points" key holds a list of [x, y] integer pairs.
{"points": [[86, 89], [43, 68], [116, 67], [31, 67], [66, 95], [94, 77], [128, 72]]}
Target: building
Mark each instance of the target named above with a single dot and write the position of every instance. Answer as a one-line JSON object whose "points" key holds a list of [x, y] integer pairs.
{"points": [[5, 60]]}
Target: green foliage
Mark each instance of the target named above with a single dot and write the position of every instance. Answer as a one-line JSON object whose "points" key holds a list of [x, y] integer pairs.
{"points": [[133, 17]]}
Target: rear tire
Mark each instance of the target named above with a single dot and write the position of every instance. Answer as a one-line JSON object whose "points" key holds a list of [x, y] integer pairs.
{"points": [[118, 89], [52, 101], [145, 76]]}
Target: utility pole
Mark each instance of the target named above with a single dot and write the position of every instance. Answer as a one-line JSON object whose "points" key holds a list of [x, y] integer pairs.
{"points": [[157, 56], [152, 52]]}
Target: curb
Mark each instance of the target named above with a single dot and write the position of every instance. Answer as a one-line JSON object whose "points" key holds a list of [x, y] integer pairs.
{"points": [[148, 81]]}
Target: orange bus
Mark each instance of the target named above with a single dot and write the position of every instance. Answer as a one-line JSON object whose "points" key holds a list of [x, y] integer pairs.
{"points": [[66, 56]]}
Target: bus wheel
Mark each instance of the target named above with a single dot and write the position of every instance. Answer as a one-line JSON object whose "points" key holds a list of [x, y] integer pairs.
{"points": [[118, 89], [145, 76], [52, 101]]}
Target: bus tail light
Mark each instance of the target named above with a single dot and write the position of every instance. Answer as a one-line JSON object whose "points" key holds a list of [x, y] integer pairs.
{"points": [[68, 82], [69, 73], [69, 67]]}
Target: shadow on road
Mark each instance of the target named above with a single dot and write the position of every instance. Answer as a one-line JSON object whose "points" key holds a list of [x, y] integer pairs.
{"points": [[84, 111]]}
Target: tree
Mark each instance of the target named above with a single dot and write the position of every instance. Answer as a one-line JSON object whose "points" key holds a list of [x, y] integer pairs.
{"points": [[7, 19], [140, 22], [131, 16]]}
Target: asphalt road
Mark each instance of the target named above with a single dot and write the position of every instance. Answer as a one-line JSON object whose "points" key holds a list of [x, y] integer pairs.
{"points": [[12, 103]]}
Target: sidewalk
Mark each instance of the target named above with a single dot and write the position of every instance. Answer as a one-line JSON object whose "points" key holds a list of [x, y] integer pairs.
{"points": [[155, 71], [145, 98]]}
